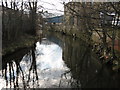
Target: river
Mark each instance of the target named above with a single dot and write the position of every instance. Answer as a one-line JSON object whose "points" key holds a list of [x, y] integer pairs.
{"points": [[56, 61]]}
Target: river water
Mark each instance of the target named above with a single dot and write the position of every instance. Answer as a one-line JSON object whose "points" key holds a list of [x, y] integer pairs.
{"points": [[56, 61]]}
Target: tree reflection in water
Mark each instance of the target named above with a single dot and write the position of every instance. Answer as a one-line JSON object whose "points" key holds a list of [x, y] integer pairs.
{"points": [[71, 64], [13, 73], [33, 67], [77, 56], [85, 69]]}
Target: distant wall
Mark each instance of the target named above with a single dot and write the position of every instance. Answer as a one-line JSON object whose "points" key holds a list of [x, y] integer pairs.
{"points": [[55, 20]]}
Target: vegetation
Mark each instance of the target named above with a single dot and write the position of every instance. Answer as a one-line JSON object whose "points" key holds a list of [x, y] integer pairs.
{"points": [[18, 21], [102, 20]]}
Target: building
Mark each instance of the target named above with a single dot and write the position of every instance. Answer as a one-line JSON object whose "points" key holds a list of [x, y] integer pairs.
{"points": [[55, 20]]}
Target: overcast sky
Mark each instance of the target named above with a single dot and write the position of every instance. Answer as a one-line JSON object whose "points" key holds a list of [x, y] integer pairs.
{"points": [[53, 6]]}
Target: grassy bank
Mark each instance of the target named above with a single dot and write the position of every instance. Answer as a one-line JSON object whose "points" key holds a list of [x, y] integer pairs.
{"points": [[24, 41]]}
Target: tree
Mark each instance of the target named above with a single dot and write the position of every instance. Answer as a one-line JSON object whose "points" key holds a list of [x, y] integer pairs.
{"points": [[97, 17], [33, 10]]}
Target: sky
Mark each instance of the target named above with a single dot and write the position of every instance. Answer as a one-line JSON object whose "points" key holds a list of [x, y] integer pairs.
{"points": [[53, 6]]}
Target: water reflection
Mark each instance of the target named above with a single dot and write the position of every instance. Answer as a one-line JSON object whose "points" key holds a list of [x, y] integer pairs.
{"points": [[85, 69], [14, 67], [54, 63], [39, 66]]}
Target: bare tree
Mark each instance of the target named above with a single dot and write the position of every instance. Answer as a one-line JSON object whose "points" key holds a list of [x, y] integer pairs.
{"points": [[97, 17], [33, 10]]}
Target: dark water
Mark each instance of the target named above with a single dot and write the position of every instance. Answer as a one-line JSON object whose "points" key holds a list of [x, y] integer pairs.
{"points": [[56, 62]]}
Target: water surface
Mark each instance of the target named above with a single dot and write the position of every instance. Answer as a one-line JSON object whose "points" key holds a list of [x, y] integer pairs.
{"points": [[56, 62]]}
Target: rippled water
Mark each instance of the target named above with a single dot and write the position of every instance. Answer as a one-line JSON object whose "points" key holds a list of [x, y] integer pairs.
{"points": [[56, 62]]}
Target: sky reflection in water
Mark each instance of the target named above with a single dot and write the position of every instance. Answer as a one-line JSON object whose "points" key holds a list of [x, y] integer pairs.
{"points": [[49, 64], [42, 66]]}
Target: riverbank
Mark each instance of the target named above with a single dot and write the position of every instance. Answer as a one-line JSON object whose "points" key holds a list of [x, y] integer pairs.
{"points": [[24, 41], [73, 32]]}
